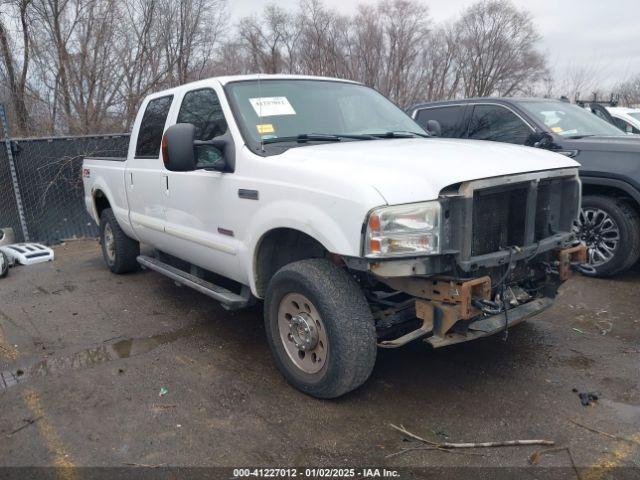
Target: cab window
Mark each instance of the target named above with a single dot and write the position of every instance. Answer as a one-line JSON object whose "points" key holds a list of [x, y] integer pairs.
{"points": [[447, 117], [498, 124], [202, 109], [152, 126]]}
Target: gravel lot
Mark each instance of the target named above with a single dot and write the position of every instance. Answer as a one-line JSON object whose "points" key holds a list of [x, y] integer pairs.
{"points": [[85, 354]]}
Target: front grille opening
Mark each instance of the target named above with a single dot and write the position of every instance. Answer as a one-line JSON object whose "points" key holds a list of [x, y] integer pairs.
{"points": [[555, 207], [499, 217], [544, 214]]}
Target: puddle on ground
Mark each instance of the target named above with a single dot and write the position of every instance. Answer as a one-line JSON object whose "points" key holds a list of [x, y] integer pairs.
{"points": [[627, 412], [90, 357]]}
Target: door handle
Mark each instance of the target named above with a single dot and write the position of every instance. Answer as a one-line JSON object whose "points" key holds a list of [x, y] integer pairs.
{"points": [[131, 179], [166, 184]]}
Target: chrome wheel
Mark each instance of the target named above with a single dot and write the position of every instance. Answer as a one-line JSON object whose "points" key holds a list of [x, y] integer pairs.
{"points": [[302, 333], [109, 243], [599, 232]]}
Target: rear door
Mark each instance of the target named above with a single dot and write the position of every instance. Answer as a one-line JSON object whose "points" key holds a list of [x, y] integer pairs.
{"points": [[145, 175], [449, 117]]}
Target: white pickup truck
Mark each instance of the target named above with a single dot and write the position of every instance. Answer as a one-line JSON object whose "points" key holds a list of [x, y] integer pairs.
{"points": [[322, 198]]}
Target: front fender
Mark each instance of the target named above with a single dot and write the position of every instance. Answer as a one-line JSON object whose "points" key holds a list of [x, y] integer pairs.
{"points": [[340, 233]]}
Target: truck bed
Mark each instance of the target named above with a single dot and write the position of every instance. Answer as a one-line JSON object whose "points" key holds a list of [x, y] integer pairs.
{"points": [[106, 175]]}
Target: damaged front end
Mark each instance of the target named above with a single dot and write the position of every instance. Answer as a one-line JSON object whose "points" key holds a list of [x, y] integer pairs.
{"points": [[506, 245]]}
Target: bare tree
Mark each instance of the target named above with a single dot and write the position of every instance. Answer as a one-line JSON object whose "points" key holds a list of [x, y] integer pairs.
{"points": [[497, 52], [406, 29], [581, 80], [84, 66], [15, 72], [365, 44], [140, 59], [629, 92], [268, 40], [189, 30], [442, 75], [321, 40]]}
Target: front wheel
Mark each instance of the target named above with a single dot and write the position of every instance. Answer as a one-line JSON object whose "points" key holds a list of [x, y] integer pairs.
{"points": [[610, 229], [320, 328]]}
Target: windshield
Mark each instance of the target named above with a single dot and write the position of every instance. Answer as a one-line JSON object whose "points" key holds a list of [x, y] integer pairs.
{"points": [[635, 115], [569, 120], [275, 111]]}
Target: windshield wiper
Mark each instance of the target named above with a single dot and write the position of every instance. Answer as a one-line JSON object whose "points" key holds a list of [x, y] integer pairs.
{"points": [[402, 134], [316, 137]]}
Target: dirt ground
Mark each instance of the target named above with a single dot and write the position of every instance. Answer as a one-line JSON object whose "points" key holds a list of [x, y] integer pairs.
{"points": [[86, 355]]}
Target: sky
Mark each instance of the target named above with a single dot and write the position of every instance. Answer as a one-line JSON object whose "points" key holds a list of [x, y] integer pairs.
{"points": [[600, 36]]}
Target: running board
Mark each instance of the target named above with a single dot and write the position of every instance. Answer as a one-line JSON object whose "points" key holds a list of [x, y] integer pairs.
{"points": [[228, 299]]}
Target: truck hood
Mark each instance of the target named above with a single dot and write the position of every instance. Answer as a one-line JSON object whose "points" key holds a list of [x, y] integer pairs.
{"points": [[417, 169]]}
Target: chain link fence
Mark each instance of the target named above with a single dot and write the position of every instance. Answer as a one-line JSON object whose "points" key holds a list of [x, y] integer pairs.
{"points": [[41, 192]]}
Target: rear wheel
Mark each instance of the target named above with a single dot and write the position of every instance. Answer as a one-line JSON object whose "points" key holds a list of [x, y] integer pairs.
{"points": [[120, 252], [610, 228], [320, 328]]}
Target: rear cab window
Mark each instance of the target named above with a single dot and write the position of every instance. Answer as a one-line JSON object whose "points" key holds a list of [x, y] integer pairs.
{"points": [[152, 127], [449, 118]]}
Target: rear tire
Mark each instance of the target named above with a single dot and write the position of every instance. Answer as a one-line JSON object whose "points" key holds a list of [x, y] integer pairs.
{"points": [[338, 351], [120, 252], [611, 230]]}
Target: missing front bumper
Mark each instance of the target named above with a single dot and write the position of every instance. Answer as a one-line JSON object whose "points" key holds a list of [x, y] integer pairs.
{"points": [[493, 324], [438, 321]]}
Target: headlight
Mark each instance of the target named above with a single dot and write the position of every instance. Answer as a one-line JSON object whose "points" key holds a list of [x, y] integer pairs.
{"points": [[403, 230]]}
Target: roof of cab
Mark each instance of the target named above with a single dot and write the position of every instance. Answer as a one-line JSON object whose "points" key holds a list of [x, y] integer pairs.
{"points": [[241, 78], [224, 80]]}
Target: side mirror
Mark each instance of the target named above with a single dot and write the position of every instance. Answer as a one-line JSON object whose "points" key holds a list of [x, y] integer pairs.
{"points": [[177, 148], [539, 140], [182, 153], [434, 128]]}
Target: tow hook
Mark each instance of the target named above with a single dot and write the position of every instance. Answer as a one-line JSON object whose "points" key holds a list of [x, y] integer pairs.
{"points": [[572, 258]]}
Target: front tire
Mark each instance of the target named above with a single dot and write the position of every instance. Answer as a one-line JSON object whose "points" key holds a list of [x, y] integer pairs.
{"points": [[319, 328], [610, 228], [120, 252]]}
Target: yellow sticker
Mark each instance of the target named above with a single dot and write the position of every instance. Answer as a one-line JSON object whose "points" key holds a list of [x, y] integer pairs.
{"points": [[556, 129], [265, 128]]}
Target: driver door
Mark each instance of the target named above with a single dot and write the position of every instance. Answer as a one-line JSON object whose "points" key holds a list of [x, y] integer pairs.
{"points": [[200, 205]]}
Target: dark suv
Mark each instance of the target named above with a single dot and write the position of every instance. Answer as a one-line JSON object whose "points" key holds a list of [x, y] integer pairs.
{"points": [[609, 222]]}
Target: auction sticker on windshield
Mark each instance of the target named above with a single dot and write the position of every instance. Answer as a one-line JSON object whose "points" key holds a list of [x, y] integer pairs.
{"points": [[265, 128], [272, 106]]}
